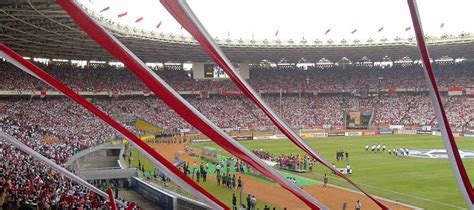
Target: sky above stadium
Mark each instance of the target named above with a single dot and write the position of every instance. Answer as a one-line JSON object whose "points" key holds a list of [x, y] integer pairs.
{"points": [[283, 19]]}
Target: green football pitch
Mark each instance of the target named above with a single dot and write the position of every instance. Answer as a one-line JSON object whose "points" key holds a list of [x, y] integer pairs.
{"points": [[426, 183]]}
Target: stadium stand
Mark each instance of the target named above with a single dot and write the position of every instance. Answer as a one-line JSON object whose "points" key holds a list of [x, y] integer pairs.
{"points": [[58, 128]]}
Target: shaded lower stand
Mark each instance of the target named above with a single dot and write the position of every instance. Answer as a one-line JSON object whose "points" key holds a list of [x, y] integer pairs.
{"points": [[37, 156]]}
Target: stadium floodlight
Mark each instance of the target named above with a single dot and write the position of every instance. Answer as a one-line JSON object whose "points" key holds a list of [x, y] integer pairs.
{"points": [[183, 108], [155, 158], [457, 166], [26, 149], [181, 11]]}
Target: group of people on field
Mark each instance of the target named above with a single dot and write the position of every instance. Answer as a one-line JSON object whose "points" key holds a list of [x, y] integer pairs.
{"points": [[400, 152], [375, 148], [340, 155]]}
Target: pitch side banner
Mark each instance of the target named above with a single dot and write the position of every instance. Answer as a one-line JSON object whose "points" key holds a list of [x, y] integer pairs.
{"points": [[336, 134], [386, 132], [242, 138], [399, 127], [318, 135], [411, 131], [262, 137], [436, 133], [353, 134], [369, 133], [423, 132], [278, 136]]}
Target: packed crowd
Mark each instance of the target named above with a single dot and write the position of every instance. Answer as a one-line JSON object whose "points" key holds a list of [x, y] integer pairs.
{"points": [[57, 131], [307, 111], [29, 184], [58, 128], [108, 78], [287, 161], [61, 118]]}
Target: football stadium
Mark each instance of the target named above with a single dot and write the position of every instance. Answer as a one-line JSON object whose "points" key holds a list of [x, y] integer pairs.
{"points": [[224, 104]]}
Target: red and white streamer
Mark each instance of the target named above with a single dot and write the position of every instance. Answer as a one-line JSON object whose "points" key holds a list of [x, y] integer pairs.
{"points": [[113, 205], [156, 159], [457, 166], [131, 206], [181, 11], [175, 101], [16, 143]]}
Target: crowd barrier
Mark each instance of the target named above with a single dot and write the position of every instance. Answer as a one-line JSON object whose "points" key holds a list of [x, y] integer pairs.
{"points": [[164, 199]]}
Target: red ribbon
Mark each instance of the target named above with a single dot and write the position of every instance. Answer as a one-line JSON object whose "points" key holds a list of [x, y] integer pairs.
{"points": [[454, 157], [175, 101], [39, 73], [113, 206], [183, 14]]}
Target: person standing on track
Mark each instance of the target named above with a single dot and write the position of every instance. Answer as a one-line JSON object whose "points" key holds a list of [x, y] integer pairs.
{"points": [[358, 205], [253, 202], [218, 168], [234, 184], [198, 175], [234, 202], [239, 183], [248, 202], [204, 175], [325, 180]]}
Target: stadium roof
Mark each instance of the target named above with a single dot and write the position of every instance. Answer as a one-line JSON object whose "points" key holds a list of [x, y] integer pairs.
{"points": [[42, 29]]}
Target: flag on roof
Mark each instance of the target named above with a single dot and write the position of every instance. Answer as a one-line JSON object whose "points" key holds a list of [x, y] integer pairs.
{"points": [[105, 9], [327, 31], [139, 19], [158, 25], [122, 14]]}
